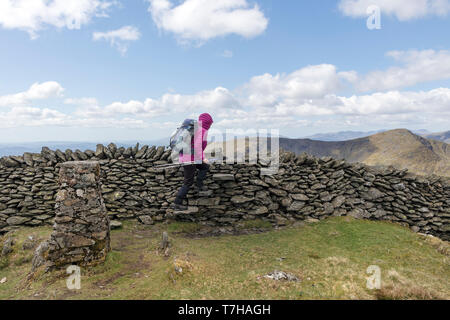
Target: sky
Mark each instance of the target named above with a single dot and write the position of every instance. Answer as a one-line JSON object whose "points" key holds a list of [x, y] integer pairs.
{"points": [[124, 70]]}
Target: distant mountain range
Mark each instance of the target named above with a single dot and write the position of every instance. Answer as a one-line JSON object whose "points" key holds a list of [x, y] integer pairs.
{"points": [[441, 136], [400, 148], [342, 135], [349, 135]]}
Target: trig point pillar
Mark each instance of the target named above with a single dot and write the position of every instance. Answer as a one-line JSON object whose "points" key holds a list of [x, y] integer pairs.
{"points": [[81, 233]]}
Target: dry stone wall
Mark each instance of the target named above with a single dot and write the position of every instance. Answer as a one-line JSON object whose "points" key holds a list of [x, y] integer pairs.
{"points": [[305, 187]]}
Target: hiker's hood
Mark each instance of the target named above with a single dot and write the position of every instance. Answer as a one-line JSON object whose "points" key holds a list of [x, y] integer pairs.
{"points": [[206, 120]]}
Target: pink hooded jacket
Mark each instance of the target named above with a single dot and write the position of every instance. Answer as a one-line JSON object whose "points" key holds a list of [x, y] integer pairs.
{"points": [[199, 142]]}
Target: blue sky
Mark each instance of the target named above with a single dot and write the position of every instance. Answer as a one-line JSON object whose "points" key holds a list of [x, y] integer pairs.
{"points": [[134, 69]]}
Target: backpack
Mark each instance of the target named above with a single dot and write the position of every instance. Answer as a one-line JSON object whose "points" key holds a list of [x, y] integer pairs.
{"points": [[181, 139]]}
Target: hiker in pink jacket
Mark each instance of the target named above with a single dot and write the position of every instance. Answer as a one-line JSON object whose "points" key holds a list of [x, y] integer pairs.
{"points": [[199, 143]]}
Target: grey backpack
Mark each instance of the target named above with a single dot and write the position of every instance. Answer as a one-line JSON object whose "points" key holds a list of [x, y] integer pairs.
{"points": [[181, 139]]}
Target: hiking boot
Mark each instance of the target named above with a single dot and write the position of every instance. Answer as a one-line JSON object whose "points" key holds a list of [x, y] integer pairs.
{"points": [[179, 207]]}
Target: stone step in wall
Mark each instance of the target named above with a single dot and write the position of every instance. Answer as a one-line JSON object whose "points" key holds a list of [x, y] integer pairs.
{"points": [[304, 187]]}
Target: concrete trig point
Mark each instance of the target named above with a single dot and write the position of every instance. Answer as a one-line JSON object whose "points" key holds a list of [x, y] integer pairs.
{"points": [[81, 233]]}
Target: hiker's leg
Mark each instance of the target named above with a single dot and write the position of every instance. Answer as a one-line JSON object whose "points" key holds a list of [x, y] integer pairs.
{"points": [[203, 170], [189, 172]]}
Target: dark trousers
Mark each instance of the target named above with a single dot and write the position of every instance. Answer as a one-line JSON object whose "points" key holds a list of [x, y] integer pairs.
{"points": [[189, 173]]}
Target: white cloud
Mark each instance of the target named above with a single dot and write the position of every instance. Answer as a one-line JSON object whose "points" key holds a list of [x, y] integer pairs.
{"points": [[201, 20], [107, 123], [33, 15], [392, 108], [35, 113], [38, 91], [305, 83], [418, 67], [403, 10], [120, 38], [219, 98], [30, 116], [260, 121], [436, 101], [313, 93], [86, 102], [37, 117]]}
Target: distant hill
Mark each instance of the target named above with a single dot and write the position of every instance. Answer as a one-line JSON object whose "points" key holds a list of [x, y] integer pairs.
{"points": [[350, 135], [341, 136], [400, 148], [440, 136]]}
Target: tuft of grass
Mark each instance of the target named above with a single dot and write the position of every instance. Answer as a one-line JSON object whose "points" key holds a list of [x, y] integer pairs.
{"points": [[442, 247], [181, 267], [23, 259], [400, 292], [254, 224], [313, 255], [400, 288], [183, 227], [4, 262], [336, 261]]}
